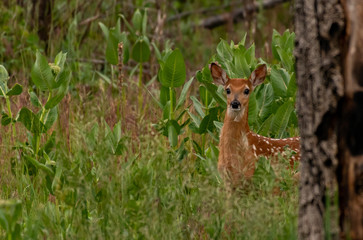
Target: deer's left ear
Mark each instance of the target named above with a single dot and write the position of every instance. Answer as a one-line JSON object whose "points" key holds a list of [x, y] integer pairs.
{"points": [[258, 76]]}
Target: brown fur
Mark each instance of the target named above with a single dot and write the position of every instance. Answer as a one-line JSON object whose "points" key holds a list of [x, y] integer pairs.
{"points": [[239, 147]]}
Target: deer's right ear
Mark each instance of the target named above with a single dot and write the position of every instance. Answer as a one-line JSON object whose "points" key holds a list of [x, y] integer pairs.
{"points": [[218, 74]]}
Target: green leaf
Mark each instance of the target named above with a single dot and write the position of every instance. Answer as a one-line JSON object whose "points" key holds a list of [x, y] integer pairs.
{"points": [[137, 20], [266, 126], [50, 117], [5, 119], [4, 77], [164, 95], [265, 100], [144, 22], [183, 93], [208, 121], [104, 29], [30, 121], [16, 90], [252, 109], [34, 100], [286, 59], [141, 51], [112, 48], [198, 106], [224, 51], [55, 100], [195, 119], [166, 110], [291, 88], [62, 78], [281, 119], [41, 73], [174, 72], [279, 81], [205, 96], [60, 59], [172, 136]]}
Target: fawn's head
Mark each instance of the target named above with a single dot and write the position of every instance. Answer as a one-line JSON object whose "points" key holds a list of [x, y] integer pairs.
{"points": [[238, 90]]}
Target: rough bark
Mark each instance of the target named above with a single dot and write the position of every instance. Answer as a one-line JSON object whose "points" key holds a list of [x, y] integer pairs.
{"points": [[319, 26], [350, 172]]}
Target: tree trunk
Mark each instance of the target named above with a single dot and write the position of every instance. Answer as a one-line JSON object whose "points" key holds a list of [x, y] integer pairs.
{"points": [[350, 171], [319, 26], [329, 64]]}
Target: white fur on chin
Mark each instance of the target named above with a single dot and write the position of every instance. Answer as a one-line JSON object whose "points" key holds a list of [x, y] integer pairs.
{"points": [[235, 114]]}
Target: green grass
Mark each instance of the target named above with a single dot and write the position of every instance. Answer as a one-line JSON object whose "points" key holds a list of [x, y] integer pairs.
{"points": [[145, 193]]}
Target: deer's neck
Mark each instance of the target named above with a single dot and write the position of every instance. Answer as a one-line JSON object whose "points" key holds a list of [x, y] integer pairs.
{"points": [[233, 139]]}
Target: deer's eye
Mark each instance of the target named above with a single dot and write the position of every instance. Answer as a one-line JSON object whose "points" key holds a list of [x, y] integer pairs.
{"points": [[246, 91], [228, 91]]}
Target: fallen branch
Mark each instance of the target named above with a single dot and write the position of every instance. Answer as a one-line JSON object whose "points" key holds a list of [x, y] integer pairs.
{"points": [[237, 14]]}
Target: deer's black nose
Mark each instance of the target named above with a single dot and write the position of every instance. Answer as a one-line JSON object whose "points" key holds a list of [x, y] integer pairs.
{"points": [[235, 104]]}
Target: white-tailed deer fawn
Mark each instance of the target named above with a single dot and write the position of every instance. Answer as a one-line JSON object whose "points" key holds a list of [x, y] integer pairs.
{"points": [[239, 147]]}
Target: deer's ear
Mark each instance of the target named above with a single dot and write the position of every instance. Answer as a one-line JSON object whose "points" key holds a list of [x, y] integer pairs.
{"points": [[218, 74], [258, 76]]}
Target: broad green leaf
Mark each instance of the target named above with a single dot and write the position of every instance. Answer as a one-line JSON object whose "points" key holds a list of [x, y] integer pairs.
{"points": [[207, 122], [41, 73], [275, 43], [291, 88], [218, 125], [242, 69], [62, 78], [55, 100], [252, 109], [266, 126], [112, 48], [34, 100], [157, 51], [15, 90], [195, 119], [3, 88], [286, 59], [50, 117], [39, 165], [279, 81], [141, 51], [224, 51], [172, 135], [183, 93], [129, 27], [104, 29], [281, 119], [144, 22], [3, 221], [5, 119], [4, 77], [264, 100], [205, 96], [30, 121], [164, 95], [137, 20], [60, 59], [166, 110], [174, 72], [198, 106]]}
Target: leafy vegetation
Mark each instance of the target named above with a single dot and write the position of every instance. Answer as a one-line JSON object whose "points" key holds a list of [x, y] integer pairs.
{"points": [[89, 150]]}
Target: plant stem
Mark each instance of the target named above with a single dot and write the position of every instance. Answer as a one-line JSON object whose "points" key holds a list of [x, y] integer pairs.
{"points": [[37, 136], [171, 93], [140, 89], [11, 116]]}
